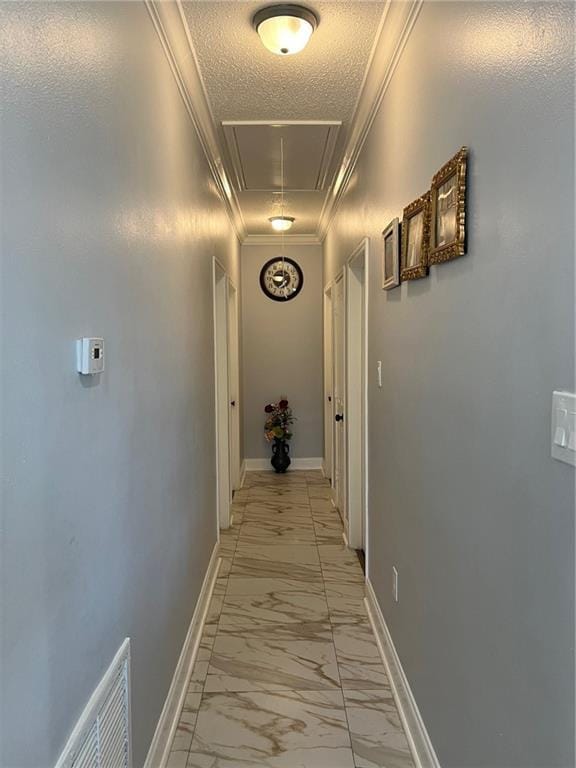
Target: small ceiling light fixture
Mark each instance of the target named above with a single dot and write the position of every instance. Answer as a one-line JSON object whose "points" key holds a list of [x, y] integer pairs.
{"points": [[285, 29], [281, 223]]}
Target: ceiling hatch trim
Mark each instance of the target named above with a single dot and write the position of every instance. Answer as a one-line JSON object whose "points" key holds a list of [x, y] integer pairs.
{"points": [[322, 135], [172, 29]]}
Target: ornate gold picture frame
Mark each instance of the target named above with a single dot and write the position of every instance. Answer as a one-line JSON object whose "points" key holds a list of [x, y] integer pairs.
{"points": [[448, 210], [391, 255], [416, 238]]}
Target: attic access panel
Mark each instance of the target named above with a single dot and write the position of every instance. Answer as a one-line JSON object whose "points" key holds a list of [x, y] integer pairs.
{"points": [[254, 149]]}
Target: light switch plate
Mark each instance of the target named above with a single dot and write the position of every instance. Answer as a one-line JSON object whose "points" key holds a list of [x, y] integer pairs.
{"points": [[564, 427]]}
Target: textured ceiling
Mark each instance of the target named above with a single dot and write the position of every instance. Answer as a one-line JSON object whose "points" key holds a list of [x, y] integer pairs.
{"points": [[244, 81]]}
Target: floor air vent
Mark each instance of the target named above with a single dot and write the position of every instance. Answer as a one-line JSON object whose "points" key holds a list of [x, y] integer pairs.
{"points": [[101, 739]]}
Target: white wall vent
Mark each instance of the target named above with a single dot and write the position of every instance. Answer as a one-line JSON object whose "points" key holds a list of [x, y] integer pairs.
{"points": [[101, 738]]}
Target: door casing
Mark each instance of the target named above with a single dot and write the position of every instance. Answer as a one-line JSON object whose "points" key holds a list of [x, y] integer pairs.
{"points": [[356, 399], [222, 397], [328, 387]]}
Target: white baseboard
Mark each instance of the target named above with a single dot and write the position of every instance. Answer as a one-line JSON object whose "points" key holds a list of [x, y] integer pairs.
{"points": [[416, 733], [166, 728], [242, 472], [307, 463]]}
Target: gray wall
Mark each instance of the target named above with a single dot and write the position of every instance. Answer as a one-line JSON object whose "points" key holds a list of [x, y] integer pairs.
{"points": [[464, 497], [109, 225], [282, 351]]}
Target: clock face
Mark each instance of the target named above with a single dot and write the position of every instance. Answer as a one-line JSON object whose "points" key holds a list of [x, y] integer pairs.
{"points": [[281, 279]]}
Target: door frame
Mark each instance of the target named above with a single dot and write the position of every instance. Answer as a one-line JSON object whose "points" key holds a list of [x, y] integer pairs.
{"points": [[339, 493], [221, 394], [234, 385], [356, 395], [328, 465]]}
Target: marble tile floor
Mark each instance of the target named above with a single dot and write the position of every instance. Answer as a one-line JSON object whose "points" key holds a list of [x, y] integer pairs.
{"points": [[288, 674]]}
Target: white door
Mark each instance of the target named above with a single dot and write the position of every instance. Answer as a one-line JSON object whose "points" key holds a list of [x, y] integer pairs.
{"points": [[328, 388], [233, 387], [223, 491], [339, 398]]}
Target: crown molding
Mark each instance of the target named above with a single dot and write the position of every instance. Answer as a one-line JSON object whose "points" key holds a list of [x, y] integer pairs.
{"points": [[278, 240], [396, 24], [170, 24]]}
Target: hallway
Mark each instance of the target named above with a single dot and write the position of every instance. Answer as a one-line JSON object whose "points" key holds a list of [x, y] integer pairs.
{"points": [[236, 233], [288, 672]]}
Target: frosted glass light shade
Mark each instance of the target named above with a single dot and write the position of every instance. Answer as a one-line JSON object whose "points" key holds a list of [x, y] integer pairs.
{"points": [[285, 29], [281, 223]]}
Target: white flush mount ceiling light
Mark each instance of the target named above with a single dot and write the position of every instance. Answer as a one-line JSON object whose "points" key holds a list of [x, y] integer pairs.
{"points": [[281, 223], [285, 29]]}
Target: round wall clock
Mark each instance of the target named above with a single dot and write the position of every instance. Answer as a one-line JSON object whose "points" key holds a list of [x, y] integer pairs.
{"points": [[281, 279]]}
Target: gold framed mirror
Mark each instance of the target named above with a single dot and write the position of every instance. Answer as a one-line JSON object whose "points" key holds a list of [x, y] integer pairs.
{"points": [[448, 210], [415, 238]]}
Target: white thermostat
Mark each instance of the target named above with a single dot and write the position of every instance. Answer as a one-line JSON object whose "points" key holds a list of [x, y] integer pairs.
{"points": [[90, 356]]}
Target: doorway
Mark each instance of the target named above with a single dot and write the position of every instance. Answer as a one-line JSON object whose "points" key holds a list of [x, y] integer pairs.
{"points": [[222, 398], [356, 400], [339, 396]]}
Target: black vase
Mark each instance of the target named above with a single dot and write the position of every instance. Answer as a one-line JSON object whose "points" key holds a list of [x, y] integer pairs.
{"points": [[280, 455]]}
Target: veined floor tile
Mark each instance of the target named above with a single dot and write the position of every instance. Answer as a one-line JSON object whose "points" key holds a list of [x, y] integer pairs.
{"points": [[319, 492], [378, 740], [359, 661], [206, 642], [305, 554], [178, 758], [199, 673], [226, 548], [299, 518], [277, 532], [347, 610], [339, 563], [225, 567], [277, 730], [214, 609], [249, 585], [328, 531], [220, 586], [322, 504], [256, 512], [275, 502], [278, 569], [241, 495], [269, 664], [345, 589], [343, 572], [280, 632], [281, 535], [186, 723], [269, 492], [273, 608], [336, 552]]}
